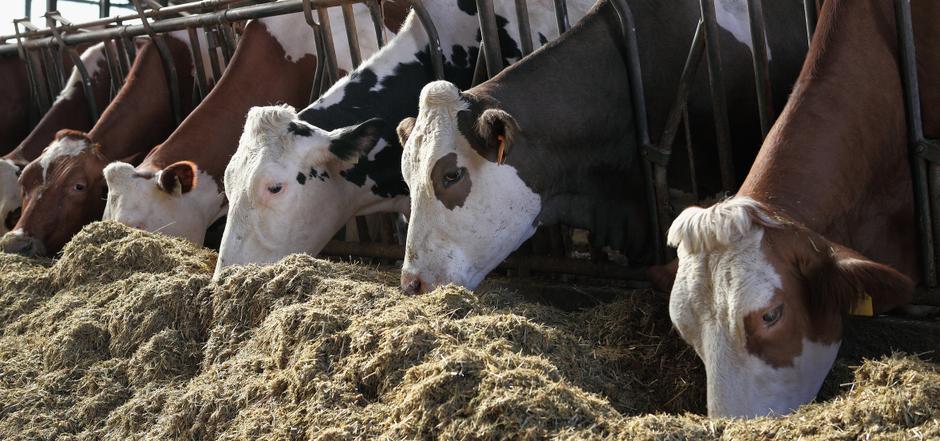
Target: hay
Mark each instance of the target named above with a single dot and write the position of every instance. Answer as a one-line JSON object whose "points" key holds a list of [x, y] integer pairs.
{"points": [[126, 337]]}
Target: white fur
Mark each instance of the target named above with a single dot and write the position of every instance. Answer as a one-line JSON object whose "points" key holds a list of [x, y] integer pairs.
{"points": [[732, 15], [464, 244], [64, 147], [94, 61], [9, 191], [296, 37], [723, 276], [140, 203], [262, 227]]}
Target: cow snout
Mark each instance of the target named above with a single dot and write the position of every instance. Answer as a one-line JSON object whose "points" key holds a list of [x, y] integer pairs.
{"points": [[23, 244], [412, 284]]}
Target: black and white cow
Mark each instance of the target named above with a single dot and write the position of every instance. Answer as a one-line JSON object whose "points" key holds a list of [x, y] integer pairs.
{"points": [[549, 140], [296, 179]]}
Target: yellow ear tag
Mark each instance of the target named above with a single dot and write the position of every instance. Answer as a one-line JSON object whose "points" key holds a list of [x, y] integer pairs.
{"points": [[501, 154], [863, 307]]}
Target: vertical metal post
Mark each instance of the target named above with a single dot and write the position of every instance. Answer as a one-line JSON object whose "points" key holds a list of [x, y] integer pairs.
{"points": [[434, 40], [638, 100], [169, 65], [755, 10], [51, 5], [525, 29], [29, 8], [202, 83], [925, 211], [561, 16], [104, 8], [330, 53], [719, 103], [352, 36], [809, 9], [39, 92], [375, 10], [89, 91], [490, 47]]}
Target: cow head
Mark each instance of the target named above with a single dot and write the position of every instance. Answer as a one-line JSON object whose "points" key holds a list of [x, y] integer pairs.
{"points": [[761, 299], [469, 208], [285, 187], [10, 202], [62, 190], [179, 200]]}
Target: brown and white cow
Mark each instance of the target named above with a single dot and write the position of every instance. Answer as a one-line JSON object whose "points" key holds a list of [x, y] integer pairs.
{"points": [[70, 110], [823, 221], [64, 188], [177, 189], [550, 140]]}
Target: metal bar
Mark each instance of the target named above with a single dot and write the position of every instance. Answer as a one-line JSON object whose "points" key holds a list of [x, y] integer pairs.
{"points": [[227, 42], [479, 69], [202, 83], [375, 11], [538, 263], [719, 103], [525, 28], [327, 33], [755, 10], [638, 100], [121, 55], [104, 8], [320, 79], [925, 211], [690, 152], [208, 19], [434, 40], [212, 44], [117, 78], [54, 17], [810, 12], [163, 12], [490, 44], [51, 5], [169, 64], [561, 16], [38, 91], [352, 37]]}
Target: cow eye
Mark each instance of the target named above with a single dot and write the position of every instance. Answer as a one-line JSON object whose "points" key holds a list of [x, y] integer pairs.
{"points": [[453, 176], [79, 187], [276, 188], [772, 316]]}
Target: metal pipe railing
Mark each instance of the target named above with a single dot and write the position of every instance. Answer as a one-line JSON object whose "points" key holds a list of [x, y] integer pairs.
{"points": [[525, 29], [810, 11], [151, 13], [169, 64], [922, 151], [561, 16], [755, 10], [719, 100], [492, 53]]}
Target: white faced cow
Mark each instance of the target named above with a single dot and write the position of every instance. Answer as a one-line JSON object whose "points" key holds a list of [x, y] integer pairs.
{"points": [[823, 223], [296, 179], [550, 140]]}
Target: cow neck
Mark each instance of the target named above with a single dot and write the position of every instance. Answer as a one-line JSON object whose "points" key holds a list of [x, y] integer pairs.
{"points": [[141, 116], [363, 95], [576, 148], [259, 74], [836, 159], [68, 111], [14, 100]]}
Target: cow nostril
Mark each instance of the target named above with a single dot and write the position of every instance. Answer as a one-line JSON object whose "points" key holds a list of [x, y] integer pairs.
{"points": [[411, 284]]}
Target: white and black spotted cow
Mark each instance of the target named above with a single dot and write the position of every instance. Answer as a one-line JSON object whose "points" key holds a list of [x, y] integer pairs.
{"points": [[296, 179], [550, 141]]}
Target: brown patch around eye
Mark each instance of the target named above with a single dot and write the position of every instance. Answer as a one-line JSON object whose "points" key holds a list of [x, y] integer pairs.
{"points": [[455, 194], [779, 344]]}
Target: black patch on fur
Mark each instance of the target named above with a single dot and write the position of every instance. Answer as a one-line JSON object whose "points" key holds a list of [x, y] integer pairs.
{"points": [[301, 178], [468, 6], [299, 129]]}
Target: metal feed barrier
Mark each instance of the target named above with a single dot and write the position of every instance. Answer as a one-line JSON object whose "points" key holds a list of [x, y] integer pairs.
{"points": [[37, 47]]}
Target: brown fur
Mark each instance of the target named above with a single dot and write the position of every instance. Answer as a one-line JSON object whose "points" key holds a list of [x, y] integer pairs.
{"points": [[455, 195]]}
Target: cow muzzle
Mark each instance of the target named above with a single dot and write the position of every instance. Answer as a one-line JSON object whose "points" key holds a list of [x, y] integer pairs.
{"points": [[413, 284], [17, 242]]}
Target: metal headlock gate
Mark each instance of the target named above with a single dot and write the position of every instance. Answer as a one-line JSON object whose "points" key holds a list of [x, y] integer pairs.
{"points": [[217, 16]]}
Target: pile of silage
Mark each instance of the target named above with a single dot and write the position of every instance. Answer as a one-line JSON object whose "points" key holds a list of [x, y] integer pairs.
{"points": [[125, 337]]}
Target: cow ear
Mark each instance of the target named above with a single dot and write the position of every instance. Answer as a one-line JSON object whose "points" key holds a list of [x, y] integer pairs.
{"points": [[178, 179], [351, 143], [843, 279], [497, 129], [405, 127]]}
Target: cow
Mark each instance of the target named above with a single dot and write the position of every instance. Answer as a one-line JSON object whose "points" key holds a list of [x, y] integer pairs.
{"points": [[64, 188], [340, 156], [177, 189], [70, 110], [823, 223], [550, 141]]}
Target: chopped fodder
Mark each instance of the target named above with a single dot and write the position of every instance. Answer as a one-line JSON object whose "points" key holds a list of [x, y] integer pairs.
{"points": [[126, 337]]}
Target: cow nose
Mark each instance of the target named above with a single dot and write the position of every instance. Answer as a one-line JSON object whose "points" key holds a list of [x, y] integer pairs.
{"points": [[22, 244], [411, 284]]}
